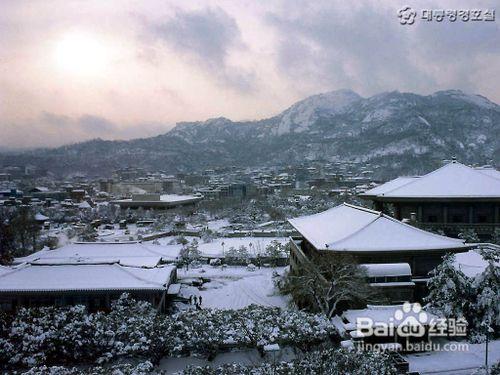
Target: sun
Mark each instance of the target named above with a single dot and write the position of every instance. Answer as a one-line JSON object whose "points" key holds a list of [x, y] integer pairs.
{"points": [[81, 54]]}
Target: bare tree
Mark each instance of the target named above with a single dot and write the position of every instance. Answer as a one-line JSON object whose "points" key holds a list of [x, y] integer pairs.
{"points": [[327, 283], [7, 238]]}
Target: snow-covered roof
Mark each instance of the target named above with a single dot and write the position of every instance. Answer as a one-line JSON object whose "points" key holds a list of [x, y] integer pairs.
{"points": [[391, 185], [386, 314], [36, 278], [471, 263], [351, 228], [40, 217], [167, 198], [454, 180], [84, 205], [387, 269], [129, 253]]}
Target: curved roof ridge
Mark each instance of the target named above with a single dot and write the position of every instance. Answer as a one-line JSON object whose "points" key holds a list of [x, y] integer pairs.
{"points": [[361, 208], [421, 230], [478, 170], [123, 269], [425, 175], [411, 180], [151, 250], [15, 269], [322, 212], [360, 229], [452, 163]]}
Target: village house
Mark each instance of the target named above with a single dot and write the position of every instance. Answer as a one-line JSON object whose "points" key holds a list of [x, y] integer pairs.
{"points": [[451, 198], [91, 274], [158, 201], [398, 257]]}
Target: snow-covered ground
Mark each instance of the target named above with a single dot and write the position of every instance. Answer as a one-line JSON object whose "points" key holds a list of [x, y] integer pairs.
{"points": [[236, 287], [454, 362], [217, 248]]}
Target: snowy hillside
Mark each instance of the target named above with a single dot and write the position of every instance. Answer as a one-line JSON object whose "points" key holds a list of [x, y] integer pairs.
{"points": [[401, 131]]}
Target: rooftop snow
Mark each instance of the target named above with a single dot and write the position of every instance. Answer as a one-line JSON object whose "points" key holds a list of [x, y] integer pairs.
{"points": [[351, 228], [130, 254], [387, 269], [168, 198], [471, 263], [386, 314], [34, 278], [454, 180]]}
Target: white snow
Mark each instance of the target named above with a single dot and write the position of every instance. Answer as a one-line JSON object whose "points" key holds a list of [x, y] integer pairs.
{"points": [[40, 217], [236, 287], [301, 115], [254, 245], [471, 263], [379, 114], [387, 314], [454, 362], [387, 269], [454, 180], [130, 253], [390, 185], [351, 228], [84, 277], [424, 121]]}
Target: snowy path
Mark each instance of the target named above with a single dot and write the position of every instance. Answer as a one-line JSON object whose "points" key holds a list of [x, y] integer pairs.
{"points": [[458, 362], [236, 288]]}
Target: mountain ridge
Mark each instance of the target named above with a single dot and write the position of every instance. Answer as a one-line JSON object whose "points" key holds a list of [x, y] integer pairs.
{"points": [[334, 126]]}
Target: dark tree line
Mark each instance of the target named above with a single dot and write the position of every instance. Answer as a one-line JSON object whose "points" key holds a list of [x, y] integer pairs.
{"points": [[19, 233]]}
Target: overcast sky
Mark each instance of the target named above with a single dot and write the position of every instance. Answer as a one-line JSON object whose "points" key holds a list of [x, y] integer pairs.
{"points": [[75, 70]]}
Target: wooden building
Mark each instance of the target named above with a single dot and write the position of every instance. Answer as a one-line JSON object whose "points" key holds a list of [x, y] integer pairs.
{"points": [[451, 198], [92, 285], [372, 237], [90, 274]]}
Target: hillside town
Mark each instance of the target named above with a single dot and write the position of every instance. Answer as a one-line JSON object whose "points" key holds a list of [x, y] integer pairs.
{"points": [[325, 241], [234, 187]]}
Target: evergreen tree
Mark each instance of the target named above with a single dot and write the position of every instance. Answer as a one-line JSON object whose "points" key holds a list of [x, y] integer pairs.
{"points": [[450, 290]]}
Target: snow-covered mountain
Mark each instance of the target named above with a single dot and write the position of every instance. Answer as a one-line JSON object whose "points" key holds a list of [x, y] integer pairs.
{"points": [[402, 131], [300, 116]]}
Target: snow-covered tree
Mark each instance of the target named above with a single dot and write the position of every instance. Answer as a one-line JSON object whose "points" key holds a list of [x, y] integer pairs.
{"points": [[495, 237], [329, 283], [487, 291], [237, 255], [450, 290], [469, 235], [88, 234], [275, 250], [190, 252]]}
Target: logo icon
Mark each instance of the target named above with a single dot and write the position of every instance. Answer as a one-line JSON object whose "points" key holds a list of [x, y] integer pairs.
{"points": [[407, 15], [411, 320]]}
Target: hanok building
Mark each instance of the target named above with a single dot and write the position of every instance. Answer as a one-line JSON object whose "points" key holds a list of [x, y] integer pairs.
{"points": [[450, 199], [92, 285], [158, 201], [90, 274], [386, 247]]}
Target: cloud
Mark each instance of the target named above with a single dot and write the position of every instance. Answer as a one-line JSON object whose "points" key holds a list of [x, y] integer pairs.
{"points": [[181, 61], [365, 48], [95, 124], [207, 36], [51, 129]]}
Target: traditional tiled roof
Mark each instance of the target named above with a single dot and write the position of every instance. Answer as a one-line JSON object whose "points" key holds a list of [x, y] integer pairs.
{"points": [[454, 180], [351, 228]]}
